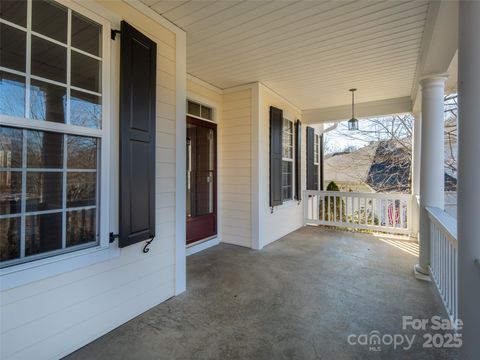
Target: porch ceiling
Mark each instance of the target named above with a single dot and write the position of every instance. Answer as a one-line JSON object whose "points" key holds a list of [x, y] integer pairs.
{"points": [[309, 51]]}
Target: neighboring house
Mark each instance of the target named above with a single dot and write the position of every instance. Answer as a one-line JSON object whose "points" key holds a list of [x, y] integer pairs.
{"points": [[381, 166]]}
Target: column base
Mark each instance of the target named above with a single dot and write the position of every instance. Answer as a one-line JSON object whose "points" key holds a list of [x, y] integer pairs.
{"points": [[420, 273]]}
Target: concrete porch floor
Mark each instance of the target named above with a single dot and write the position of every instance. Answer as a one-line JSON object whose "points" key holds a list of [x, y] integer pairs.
{"points": [[299, 298]]}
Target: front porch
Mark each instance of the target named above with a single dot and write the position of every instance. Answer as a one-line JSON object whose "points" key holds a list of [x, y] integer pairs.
{"points": [[301, 297]]}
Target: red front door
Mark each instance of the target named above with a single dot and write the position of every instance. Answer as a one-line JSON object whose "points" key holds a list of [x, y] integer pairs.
{"points": [[201, 180]]}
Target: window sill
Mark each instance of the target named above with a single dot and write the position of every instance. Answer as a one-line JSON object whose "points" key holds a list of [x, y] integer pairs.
{"points": [[288, 204], [22, 274]]}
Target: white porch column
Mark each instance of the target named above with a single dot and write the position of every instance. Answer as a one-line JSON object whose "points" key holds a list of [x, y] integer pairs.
{"points": [[417, 131], [469, 177], [432, 170]]}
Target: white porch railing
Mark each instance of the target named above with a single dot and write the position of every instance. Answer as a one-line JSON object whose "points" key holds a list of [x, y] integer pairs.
{"points": [[383, 212], [443, 258]]}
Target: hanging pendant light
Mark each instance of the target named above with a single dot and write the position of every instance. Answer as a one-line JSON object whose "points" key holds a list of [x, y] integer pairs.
{"points": [[353, 122]]}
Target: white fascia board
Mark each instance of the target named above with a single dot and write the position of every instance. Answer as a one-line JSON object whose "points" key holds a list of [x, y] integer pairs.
{"points": [[362, 110]]}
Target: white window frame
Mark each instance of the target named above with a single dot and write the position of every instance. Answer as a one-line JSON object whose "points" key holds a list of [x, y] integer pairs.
{"points": [[316, 150], [201, 104], [34, 270], [292, 159]]}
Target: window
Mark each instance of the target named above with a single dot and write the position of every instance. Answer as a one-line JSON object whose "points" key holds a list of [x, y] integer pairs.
{"points": [[52, 133], [316, 157], [287, 160], [199, 110]]}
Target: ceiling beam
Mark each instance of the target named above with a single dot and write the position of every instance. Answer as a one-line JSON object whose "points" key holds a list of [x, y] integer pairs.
{"points": [[365, 109]]}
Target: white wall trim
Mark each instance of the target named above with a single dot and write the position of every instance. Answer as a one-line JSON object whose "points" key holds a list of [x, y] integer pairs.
{"points": [[180, 164], [247, 86], [203, 246], [255, 166], [205, 84], [366, 109]]}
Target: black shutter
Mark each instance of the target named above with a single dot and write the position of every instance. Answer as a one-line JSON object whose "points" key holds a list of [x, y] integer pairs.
{"points": [[312, 175], [138, 61], [276, 124], [298, 160]]}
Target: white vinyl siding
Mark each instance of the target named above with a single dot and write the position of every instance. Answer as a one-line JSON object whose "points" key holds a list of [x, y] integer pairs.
{"points": [[235, 168]]}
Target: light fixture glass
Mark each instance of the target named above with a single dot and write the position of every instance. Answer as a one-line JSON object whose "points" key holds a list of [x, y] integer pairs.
{"points": [[353, 122]]}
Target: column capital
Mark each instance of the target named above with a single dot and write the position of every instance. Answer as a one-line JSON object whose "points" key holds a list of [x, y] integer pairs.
{"points": [[433, 80]]}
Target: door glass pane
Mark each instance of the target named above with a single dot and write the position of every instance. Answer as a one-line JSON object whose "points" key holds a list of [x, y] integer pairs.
{"points": [[47, 101], [81, 227], [85, 34], [12, 94], [44, 191], [49, 60], [14, 11], [13, 44], [189, 176], [9, 238], [200, 170], [43, 233], [50, 19]]}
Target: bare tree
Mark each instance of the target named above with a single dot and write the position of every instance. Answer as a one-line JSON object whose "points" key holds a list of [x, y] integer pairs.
{"points": [[379, 154]]}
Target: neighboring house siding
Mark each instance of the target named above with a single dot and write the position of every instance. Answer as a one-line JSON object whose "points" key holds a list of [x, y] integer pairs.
{"points": [[235, 168], [288, 216], [55, 316]]}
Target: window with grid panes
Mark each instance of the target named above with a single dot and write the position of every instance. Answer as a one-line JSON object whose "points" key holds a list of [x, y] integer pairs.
{"points": [[316, 156], [287, 160], [51, 130]]}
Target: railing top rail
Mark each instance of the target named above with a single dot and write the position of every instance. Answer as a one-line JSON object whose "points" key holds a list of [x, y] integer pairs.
{"points": [[396, 196], [447, 223]]}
